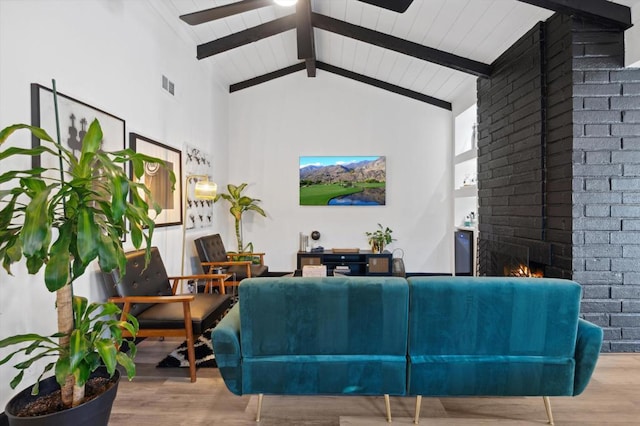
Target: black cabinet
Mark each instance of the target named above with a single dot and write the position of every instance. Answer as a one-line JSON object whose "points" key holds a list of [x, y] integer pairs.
{"points": [[348, 263]]}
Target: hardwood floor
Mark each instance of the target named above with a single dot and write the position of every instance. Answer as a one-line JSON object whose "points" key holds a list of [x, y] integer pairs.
{"points": [[166, 397]]}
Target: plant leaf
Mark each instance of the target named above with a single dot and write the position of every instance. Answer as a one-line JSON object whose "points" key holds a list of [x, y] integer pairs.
{"points": [[127, 363], [37, 224], [36, 131], [87, 235], [108, 353], [77, 348]]}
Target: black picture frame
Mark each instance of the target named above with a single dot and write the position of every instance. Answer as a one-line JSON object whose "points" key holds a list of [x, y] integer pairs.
{"points": [[74, 114], [157, 178]]}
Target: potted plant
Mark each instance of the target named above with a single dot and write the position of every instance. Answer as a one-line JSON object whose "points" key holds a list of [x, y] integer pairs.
{"points": [[87, 201], [379, 238], [240, 204]]}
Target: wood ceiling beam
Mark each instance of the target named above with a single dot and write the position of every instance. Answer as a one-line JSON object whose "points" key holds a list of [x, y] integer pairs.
{"points": [[406, 47], [266, 77], [384, 85], [344, 73], [208, 15], [304, 33], [396, 5], [247, 36], [311, 66], [600, 10]]}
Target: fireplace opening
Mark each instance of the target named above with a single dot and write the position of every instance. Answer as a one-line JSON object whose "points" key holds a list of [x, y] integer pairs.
{"points": [[500, 259]]}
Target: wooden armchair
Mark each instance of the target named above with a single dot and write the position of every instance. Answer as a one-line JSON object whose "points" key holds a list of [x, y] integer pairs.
{"points": [[147, 294], [213, 255]]}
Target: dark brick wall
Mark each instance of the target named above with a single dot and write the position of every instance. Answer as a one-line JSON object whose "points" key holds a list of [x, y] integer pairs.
{"points": [[559, 165], [510, 155], [606, 174]]}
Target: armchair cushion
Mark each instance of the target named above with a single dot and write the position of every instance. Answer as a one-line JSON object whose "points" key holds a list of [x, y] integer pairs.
{"points": [[211, 250], [153, 281], [205, 310], [138, 280]]}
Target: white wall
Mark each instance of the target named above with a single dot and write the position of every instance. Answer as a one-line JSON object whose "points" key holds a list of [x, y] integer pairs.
{"points": [[274, 123], [632, 39], [110, 54]]}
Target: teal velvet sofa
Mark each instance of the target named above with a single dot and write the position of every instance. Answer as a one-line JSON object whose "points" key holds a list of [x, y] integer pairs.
{"points": [[424, 336], [316, 336], [498, 336]]}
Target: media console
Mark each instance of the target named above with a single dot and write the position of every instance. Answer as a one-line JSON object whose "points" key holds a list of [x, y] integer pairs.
{"points": [[363, 262]]}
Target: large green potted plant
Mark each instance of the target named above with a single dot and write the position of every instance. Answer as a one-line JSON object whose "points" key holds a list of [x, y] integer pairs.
{"points": [[239, 205], [87, 200]]}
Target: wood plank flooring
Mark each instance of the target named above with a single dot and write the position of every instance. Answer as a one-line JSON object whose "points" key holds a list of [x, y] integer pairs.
{"points": [[162, 397]]}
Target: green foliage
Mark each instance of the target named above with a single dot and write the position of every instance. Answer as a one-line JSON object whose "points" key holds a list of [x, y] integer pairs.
{"points": [[88, 208], [379, 238], [93, 342], [239, 205], [87, 201]]}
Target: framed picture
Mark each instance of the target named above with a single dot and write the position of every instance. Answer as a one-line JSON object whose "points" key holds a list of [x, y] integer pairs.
{"points": [[199, 213], [343, 180], [156, 178], [75, 117]]}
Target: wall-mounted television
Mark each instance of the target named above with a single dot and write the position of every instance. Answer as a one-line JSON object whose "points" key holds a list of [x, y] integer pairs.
{"points": [[343, 180]]}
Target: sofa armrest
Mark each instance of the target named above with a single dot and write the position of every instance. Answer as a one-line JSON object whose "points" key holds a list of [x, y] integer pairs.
{"points": [[226, 345], [588, 345]]}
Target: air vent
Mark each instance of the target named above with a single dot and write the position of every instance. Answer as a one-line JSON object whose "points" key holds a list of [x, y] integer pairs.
{"points": [[168, 85]]}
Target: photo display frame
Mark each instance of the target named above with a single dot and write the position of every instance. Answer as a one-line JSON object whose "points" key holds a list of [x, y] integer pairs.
{"points": [[75, 118], [343, 180], [156, 178]]}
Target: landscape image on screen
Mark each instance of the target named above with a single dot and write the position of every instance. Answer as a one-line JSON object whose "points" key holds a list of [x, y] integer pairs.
{"points": [[342, 181]]}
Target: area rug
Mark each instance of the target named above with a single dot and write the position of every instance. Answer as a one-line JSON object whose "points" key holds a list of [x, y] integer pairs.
{"points": [[203, 347]]}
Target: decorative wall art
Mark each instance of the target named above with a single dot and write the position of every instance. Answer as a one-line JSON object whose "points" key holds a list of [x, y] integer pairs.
{"points": [[199, 213], [157, 178], [75, 117], [343, 181]]}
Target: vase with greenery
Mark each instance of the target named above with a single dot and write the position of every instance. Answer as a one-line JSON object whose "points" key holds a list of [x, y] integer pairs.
{"points": [[91, 203], [379, 238], [239, 205]]}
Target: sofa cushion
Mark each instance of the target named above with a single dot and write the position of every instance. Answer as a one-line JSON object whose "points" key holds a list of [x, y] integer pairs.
{"points": [[493, 316], [323, 316], [492, 336], [332, 335]]}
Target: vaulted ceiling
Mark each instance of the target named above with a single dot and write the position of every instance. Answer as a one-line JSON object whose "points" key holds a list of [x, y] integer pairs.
{"points": [[431, 52]]}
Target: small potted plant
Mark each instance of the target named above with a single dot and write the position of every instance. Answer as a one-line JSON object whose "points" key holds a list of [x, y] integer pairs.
{"points": [[87, 200], [379, 238]]}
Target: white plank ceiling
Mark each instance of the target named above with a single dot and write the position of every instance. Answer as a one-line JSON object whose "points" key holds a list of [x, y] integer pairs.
{"points": [[476, 29]]}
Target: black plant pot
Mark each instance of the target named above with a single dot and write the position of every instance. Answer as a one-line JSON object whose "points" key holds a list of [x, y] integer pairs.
{"points": [[93, 413]]}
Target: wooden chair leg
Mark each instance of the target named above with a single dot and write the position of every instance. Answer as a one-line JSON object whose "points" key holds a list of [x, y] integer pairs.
{"points": [[547, 407], [387, 406], [416, 419], [191, 352], [260, 395]]}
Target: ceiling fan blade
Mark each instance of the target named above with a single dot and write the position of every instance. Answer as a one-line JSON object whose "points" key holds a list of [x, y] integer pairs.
{"points": [[219, 12], [395, 5]]}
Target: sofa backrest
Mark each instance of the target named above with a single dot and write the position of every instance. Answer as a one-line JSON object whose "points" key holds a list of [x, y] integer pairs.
{"points": [[138, 279], [493, 316], [323, 316]]}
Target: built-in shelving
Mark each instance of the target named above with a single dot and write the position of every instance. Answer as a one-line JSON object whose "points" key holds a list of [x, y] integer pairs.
{"points": [[465, 166]]}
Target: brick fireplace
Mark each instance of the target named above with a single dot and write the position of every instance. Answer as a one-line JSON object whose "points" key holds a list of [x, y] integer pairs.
{"points": [[559, 167]]}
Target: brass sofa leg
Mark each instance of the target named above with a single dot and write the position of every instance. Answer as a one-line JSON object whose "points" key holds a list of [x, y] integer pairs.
{"points": [[416, 419], [260, 395], [547, 407], [387, 406]]}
